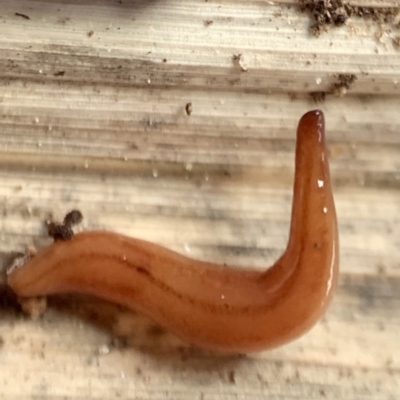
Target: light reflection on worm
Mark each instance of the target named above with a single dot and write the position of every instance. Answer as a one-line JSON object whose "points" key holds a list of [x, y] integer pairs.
{"points": [[212, 306]]}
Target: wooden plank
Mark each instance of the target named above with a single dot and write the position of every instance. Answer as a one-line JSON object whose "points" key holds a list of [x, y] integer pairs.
{"points": [[276, 47], [98, 122], [330, 362]]}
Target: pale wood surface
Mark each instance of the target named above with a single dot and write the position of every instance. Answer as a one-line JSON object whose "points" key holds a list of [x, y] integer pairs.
{"points": [[98, 122]]}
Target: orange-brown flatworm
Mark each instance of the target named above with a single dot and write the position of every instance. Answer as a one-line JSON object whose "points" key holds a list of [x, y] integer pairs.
{"points": [[209, 305]]}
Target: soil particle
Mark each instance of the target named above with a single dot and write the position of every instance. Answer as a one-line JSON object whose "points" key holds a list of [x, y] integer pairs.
{"points": [[328, 13]]}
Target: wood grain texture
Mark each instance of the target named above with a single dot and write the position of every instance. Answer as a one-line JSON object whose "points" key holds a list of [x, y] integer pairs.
{"points": [[92, 115]]}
